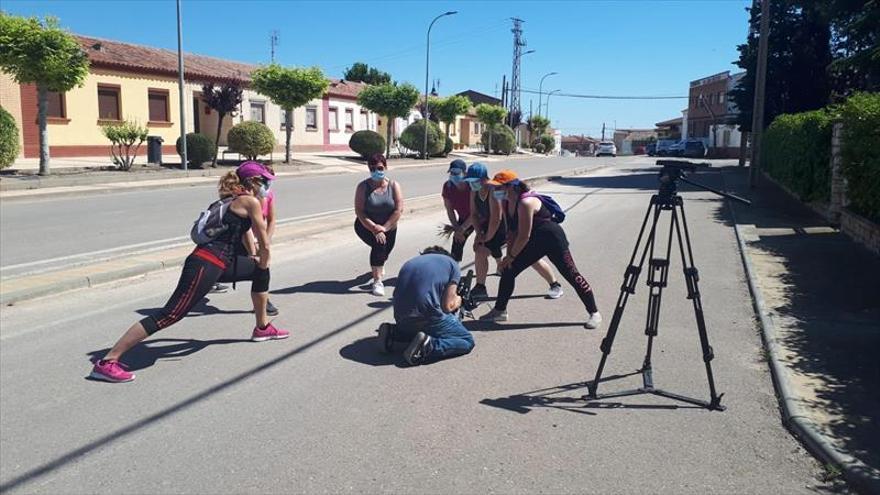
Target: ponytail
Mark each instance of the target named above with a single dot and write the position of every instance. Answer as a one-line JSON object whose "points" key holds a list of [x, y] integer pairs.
{"points": [[230, 185]]}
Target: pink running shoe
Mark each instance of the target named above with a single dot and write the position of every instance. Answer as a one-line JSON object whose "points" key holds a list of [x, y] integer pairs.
{"points": [[269, 333], [111, 371]]}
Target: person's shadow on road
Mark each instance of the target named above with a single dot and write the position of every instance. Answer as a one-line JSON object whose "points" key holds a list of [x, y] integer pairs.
{"points": [[147, 353], [357, 285], [202, 308]]}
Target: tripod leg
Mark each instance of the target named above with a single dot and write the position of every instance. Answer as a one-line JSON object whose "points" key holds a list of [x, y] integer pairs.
{"points": [[692, 277], [658, 274], [630, 277]]}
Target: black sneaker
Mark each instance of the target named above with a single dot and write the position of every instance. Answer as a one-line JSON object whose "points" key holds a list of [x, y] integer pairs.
{"points": [[219, 288], [418, 349], [478, 293], [271, 310], [385, 339]]}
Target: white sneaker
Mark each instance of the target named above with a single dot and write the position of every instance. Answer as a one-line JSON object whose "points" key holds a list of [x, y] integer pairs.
{"points": [[378, 288], [594, 322], [555, 291]]}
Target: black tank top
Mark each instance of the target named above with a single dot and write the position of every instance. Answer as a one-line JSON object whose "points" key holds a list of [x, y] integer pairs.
{"points": [[541, 219], [229, 243]]}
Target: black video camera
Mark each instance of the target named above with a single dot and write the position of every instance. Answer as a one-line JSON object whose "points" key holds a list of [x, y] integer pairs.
{"points": [[468, 305]]}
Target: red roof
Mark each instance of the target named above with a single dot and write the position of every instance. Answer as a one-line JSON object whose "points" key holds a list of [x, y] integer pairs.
{"points": [[129, 57]]}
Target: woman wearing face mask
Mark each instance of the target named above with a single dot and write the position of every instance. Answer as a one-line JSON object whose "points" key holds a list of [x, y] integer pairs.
{"points": [[209, 263], [486, 216], [536, 236], [378, 204], [457, 200]]}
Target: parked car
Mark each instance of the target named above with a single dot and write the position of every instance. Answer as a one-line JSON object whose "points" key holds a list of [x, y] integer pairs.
{"points": [[651, 149], [606, 148], [676, 149], [663, 145], [694, 148]]}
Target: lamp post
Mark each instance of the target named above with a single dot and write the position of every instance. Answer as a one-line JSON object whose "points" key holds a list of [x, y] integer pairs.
{"points": [[180, 87], [540, 86], [427, 61], [547, 105]]}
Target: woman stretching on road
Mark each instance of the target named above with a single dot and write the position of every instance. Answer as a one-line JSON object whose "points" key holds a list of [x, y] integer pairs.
{"points": [[535, 235], [378, 204], [209, 263], [486, 217]]}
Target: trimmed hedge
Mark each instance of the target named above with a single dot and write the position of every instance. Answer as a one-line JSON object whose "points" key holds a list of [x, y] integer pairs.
{"points": [[860, 151], [199, 149], [251, 139], [503, 140], [413, 137], [367, 143], [8, 139], [796, 152]]}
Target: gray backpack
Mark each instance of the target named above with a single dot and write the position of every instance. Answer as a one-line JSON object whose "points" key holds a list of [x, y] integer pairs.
{"points": [[210, 224]]}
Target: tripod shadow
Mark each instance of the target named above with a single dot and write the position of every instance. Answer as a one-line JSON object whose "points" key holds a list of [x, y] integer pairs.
{"points": [[148, 352], [352, 286], [492, 326], [202, 308]]}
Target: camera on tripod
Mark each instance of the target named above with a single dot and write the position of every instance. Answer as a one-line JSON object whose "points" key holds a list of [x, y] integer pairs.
{"points": [[468, 304]]}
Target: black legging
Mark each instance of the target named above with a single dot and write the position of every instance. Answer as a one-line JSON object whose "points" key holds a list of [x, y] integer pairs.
{"points": [[458, 247], [550, 241], [196, 280], [378, 252]]}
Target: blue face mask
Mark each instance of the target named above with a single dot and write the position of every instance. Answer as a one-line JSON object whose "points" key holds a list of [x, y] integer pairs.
{"points": [[456, 179], [500, 194], [475, 185], [377, 174]]}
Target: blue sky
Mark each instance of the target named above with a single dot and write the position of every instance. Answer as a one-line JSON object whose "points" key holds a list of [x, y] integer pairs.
{"points": [[597, 47]]}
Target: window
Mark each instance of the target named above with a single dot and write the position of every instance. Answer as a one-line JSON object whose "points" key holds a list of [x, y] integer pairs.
{"points": [[56, 105], [158, 102], [333, 120], [365, 120], [721, 98], [108, 102], [349, 120], [311, 118], [258, 111]]}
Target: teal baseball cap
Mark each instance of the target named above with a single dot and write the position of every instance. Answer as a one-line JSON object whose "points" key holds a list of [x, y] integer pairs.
{"points": [[476, 172]]}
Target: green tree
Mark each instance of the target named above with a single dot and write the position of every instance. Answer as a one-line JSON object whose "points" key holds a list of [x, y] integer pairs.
{"points": [[490, 115], [855, 43], [41, 53], [364, 73], [447, 109], [224, 100], [126, 139], [537, 126], [8, 139], [289, 88], [391, 101], [413, 137]]}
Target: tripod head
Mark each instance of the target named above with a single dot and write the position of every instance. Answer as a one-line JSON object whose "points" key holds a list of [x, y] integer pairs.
{"points": [[675, 170]]}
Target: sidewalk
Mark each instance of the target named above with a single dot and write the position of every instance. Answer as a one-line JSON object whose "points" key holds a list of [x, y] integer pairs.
{"points": [[818, 297]]}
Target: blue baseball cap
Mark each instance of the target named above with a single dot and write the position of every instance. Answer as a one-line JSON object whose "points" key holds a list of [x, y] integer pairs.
{"points": [[458, 164], [477, 172]]}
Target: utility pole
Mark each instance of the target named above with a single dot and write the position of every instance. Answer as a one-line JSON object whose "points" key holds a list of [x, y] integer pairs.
{"points": [[518, 42], [274, 40], [603, 131], [180, 89], [760, 84], [504, 90]]}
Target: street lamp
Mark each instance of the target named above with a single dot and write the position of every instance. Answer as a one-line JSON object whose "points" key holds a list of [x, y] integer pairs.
{"points": [[540, 86], [180, 89], [427, 61], [547, 105]]}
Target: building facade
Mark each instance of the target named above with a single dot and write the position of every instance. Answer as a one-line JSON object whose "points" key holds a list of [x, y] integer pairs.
{"points": [[711, 114]]}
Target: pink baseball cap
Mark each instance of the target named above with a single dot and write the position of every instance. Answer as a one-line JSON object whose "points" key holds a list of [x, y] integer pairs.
{"points": [[251, 168]]}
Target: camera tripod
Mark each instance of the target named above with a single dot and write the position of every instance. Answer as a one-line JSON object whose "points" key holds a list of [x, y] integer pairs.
{"points": [[666, 200]]}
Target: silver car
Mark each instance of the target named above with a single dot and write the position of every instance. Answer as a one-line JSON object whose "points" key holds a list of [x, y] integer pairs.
{"points": [[606, 148]]}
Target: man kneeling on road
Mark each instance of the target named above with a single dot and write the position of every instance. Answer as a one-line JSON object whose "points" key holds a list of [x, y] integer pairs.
{"points": [[426, 305]]}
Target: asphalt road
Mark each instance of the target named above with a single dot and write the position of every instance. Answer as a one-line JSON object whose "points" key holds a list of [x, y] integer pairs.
{"points": [[44, 232], [322, 412]]}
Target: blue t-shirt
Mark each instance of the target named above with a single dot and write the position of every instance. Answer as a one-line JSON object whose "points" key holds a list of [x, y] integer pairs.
{"points": [[421, 282]]}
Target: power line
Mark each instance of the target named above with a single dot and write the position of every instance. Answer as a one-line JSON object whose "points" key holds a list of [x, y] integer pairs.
{"points": [[609, 97]]}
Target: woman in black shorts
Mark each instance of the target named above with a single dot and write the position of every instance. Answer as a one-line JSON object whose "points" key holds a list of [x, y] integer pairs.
{"points": [[488, 220], [535, 235], [378, 204], [215, 261]]}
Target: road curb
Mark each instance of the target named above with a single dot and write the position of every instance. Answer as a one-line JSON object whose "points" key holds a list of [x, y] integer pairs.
{"points": [[141, 264], [858, 474]]}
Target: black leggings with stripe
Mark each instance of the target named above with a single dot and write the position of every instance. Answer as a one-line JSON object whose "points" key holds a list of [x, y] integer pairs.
{"points": [[378, 252], [196, 280]]}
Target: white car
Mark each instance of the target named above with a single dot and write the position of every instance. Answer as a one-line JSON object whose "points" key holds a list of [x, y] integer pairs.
{"points": [[606, 148]]}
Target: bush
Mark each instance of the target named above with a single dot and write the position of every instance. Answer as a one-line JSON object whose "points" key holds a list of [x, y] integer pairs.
{"points": [[548, 142], [125, 140], [413, 138], [796, 151], [860, 152], [539, 148], [251, 139], [8, 139], [503, 140], [446, 149], [199, 149], [367, 143]]}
